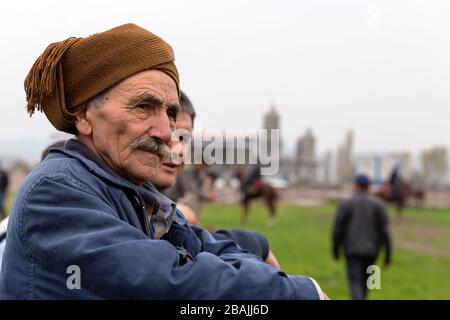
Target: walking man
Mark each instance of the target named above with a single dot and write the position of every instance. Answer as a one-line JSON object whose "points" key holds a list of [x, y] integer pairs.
{"points": [[361, 227]]}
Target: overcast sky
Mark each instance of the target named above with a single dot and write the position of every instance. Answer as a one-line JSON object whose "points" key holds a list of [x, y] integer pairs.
{"points": [[381, 68]]}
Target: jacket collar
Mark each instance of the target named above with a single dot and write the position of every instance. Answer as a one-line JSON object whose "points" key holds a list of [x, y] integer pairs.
{"points": [[75, 149]]}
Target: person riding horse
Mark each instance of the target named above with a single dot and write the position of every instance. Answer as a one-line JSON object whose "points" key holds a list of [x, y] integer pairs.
{"points": [[395, 183], [252, 184], [253, 187]]}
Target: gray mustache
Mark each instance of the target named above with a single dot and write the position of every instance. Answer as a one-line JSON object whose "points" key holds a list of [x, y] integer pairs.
{"points": [[153, 145]]}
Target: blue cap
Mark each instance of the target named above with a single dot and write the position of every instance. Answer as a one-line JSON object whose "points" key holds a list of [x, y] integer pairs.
{"points": [[362, 180]]}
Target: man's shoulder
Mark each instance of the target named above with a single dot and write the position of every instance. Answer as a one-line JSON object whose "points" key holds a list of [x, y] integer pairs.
{"points": [[368, 198], [346, 201], [45, 183], [375, 200], [55, 167]]}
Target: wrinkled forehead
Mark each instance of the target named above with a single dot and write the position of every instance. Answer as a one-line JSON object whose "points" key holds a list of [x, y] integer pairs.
{"points": [[149, 84]]}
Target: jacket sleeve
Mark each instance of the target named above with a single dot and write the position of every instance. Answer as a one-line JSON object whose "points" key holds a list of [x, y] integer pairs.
{"points": [[63, 223], [340, 226], [250, 240]]}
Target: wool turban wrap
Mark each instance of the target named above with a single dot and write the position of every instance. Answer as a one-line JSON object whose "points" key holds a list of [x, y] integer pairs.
{"points": [[71, 72]]}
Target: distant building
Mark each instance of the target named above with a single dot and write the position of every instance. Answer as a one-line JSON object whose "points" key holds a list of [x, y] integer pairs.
{"points": [[345, 170], [272, 121], [306, 158], [327, 169]]}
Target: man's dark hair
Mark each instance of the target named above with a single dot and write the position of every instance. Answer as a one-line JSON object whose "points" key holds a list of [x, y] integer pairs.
{"points": [[186, 106], [362, 181]]}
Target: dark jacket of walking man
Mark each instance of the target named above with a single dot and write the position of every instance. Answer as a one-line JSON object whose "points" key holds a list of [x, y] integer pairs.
{"points": [[361, 227]]}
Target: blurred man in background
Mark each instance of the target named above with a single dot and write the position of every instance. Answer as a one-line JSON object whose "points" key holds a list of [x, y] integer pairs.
{"points": [[361, 227], [185, 186]]}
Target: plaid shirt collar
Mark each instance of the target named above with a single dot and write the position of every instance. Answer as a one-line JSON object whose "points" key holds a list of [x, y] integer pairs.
{"points": [[163, 210]]}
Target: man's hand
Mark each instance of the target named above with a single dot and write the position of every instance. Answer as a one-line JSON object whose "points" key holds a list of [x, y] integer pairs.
{"points": [[189, 214], [322, 295]]}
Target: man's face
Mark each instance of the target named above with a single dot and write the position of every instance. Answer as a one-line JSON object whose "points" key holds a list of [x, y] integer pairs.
{"points": [[169, 171], [140, 109]]}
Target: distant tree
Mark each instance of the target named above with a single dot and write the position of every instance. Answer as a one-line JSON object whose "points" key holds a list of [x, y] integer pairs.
{"points": [[435, 166]]}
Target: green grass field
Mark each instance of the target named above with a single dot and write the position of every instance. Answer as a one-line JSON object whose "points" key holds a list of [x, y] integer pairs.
{"points": [[301, 241]]}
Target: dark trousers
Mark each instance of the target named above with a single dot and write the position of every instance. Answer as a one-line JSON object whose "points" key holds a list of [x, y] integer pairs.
{"points": [[357, 275]]}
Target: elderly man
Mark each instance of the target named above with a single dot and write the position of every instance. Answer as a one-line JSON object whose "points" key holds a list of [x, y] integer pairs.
{"points": [[79, 226]]}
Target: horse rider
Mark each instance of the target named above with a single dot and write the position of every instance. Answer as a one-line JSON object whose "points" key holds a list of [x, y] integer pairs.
{"points": [[395, 182], [252, 184]]}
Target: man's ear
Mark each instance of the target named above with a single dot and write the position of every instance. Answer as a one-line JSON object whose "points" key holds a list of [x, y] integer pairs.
{"points": [[83, 122]]}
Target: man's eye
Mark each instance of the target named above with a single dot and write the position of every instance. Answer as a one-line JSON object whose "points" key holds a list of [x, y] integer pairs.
{"points": [[172, 115], [145, 106]]}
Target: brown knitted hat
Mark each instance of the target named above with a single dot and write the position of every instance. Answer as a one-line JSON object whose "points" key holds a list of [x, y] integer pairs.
{"points": [[71, 72]]}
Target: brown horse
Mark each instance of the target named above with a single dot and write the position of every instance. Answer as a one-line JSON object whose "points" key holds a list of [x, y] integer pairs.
{"points": [[400, 196], [259, 189]]}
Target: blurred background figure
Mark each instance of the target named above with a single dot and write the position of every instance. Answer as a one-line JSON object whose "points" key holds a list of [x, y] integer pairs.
{"points": [[395, 181], [189, 186], [193, 186], [252, 183], [4, 182], [397, 188], [361, 227], [398, 191]]}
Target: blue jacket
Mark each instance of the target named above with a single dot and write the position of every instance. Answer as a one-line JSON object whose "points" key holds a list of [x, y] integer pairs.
{"points": [[70, 211]]}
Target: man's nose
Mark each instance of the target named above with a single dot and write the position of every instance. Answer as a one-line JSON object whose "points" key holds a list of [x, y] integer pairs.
{"points": [[161, 127]]}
